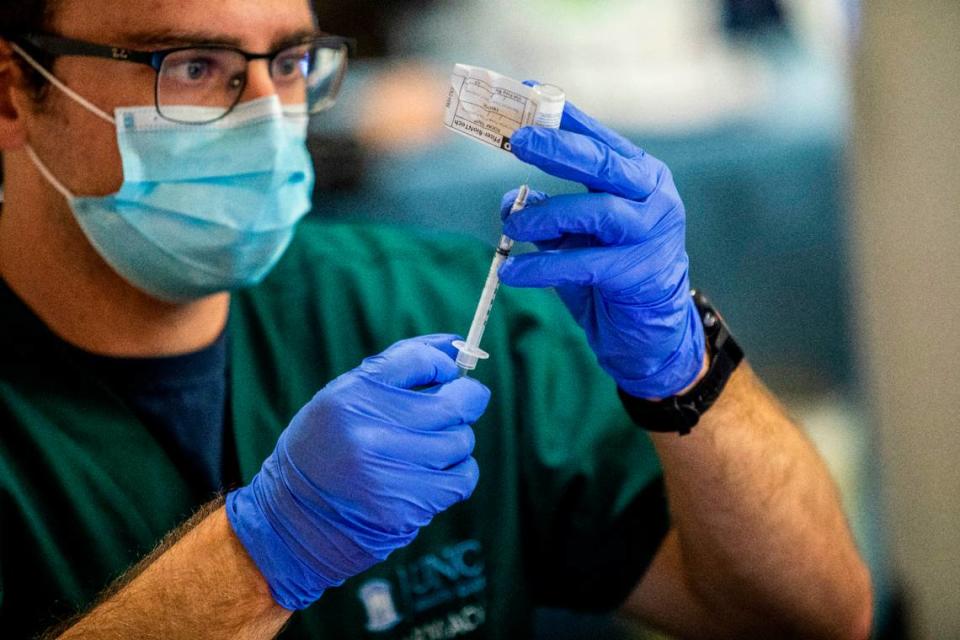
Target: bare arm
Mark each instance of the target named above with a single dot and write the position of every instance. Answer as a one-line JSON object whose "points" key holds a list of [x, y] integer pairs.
{"points": [[760, 546], [199, 583]]}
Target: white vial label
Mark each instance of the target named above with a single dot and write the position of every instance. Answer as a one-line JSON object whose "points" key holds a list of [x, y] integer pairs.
{"points": [[489, 107]]}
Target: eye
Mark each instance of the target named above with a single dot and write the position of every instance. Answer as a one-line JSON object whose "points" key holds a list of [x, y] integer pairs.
{"points": [[291, 65], [287, 67], [192, 70], [196, 70]]}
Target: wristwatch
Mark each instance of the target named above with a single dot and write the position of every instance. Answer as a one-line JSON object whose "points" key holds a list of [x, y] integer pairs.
{"points": [[681, 413]]}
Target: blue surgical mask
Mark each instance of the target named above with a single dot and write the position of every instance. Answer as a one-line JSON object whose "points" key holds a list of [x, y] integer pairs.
{"points": [[203, 208]]}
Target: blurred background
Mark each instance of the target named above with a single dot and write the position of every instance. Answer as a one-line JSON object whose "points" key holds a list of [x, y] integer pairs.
{"points": [[815, 145]]}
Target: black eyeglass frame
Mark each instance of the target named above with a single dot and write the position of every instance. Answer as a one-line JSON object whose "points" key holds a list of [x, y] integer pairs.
{"points": [[60, 46]]}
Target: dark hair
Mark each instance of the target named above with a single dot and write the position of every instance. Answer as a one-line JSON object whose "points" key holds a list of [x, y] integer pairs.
{"points": [[18, 17]]}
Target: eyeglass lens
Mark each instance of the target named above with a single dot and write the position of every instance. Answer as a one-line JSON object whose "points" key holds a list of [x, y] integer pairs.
{"points": [[213, 80]]}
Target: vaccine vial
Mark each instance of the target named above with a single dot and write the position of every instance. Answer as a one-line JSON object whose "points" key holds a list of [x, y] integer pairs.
{"points": [[551, 102]]}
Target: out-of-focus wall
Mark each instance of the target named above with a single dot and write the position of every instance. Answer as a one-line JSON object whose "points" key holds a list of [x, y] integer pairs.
{"points": [[907, 235]]}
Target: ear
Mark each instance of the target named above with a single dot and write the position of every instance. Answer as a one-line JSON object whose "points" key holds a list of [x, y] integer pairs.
{"points": [[13, 100]]}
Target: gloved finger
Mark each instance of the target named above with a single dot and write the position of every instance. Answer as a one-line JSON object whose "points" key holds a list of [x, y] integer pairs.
{"points": [[533, 197], [580, 158], [576, 121], [545, 269], [461, 401], [439, 449], [610, 219], [469, 472], [437, 490], [612, 268], [459, 481], [569, 241], [414, 362], [442, 341]]}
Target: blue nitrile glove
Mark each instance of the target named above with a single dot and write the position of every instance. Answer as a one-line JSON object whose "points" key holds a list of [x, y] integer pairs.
{"points": [[615, 255], [371, 459]]}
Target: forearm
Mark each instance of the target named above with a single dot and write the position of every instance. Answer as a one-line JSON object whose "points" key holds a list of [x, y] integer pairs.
{"points": [[199, 584], [759, 527]]}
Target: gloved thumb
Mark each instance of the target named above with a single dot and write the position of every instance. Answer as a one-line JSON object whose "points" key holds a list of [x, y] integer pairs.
{"points": [[416, 362]]}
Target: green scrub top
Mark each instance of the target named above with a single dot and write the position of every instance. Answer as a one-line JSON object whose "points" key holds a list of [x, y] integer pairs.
{"points": [[568, 512]]}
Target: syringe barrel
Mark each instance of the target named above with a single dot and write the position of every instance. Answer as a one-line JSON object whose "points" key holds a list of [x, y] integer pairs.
{"points": [[489, 294], [469, 351]]}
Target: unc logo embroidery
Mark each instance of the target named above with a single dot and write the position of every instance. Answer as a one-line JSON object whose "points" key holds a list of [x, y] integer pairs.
{"points": [[378, 601]]}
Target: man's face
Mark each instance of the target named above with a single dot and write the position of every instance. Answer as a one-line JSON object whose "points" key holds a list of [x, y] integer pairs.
{"points": [[81, 148]]}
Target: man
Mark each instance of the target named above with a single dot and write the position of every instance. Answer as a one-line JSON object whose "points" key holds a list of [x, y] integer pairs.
{"points": [[154, 163]]}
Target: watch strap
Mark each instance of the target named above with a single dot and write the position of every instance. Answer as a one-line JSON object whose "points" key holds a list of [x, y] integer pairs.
{"points": [[679, 414]]}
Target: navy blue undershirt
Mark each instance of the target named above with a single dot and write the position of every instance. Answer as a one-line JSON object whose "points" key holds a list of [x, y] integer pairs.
{"points": [[181, 399]]}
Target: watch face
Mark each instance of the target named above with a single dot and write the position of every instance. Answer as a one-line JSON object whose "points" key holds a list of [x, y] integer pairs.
{"points": [[713, 322]]}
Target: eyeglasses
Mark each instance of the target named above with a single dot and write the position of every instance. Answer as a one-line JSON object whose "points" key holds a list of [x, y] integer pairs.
{"points": [[307, 74]]}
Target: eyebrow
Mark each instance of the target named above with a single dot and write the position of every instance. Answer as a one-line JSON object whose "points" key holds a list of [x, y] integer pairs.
{"points": [[177, 38]]}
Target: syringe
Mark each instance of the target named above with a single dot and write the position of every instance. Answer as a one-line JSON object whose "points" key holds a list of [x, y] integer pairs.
{"points": [[470, 351]]}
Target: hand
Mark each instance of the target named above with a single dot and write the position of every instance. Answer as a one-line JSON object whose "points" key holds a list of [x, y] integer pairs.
{"points": [[615, 255], [361, 468]]}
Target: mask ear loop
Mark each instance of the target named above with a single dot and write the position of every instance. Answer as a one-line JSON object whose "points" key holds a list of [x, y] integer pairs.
{"points": [[46, 173], [94, 109]]}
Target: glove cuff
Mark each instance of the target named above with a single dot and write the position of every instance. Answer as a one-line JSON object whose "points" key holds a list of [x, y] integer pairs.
{"points": [[680, 414], [680, 369], [285, 575]]}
